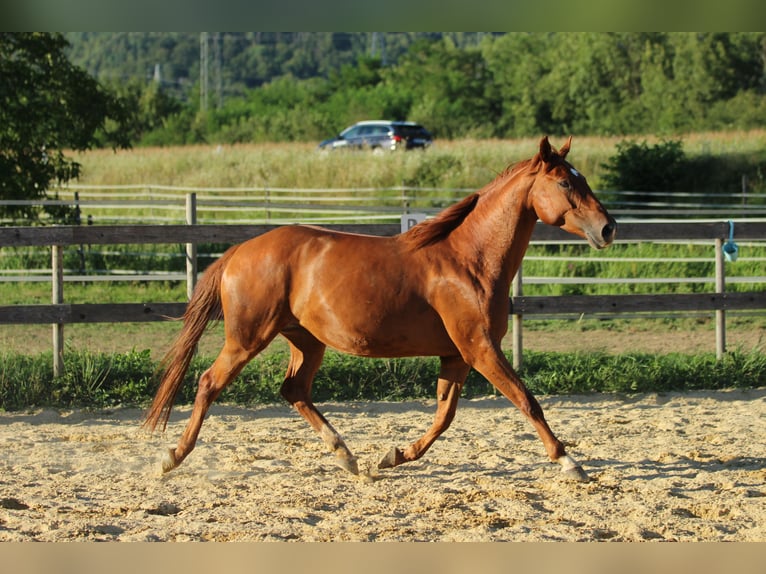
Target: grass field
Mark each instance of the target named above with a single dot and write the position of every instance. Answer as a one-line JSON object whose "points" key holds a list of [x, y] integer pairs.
{"points": [[715, 163], [458, 163]]}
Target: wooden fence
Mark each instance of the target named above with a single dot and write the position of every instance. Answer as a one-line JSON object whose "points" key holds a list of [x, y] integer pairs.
{"points": [[163, 204], [59, 313]]}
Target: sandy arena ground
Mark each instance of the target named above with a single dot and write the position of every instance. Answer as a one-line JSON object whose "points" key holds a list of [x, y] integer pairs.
{"points": [[663, 467]]}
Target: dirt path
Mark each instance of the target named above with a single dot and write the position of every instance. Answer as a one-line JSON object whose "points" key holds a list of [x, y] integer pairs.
{"points": [[663, 467]]}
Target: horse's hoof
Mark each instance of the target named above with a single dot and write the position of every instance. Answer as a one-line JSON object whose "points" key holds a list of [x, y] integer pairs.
{"points": [[349, 464], [169, 460], [575, 473], [393, 458]]}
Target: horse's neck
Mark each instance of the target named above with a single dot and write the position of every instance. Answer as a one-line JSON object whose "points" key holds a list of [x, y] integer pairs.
{"points": [[500, 228]]}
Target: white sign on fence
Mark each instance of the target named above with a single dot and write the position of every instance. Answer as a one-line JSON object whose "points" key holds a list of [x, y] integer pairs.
{"points": [[411, 220]]}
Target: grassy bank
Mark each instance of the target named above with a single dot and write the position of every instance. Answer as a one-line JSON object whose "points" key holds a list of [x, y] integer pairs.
{"points": [[98, 380]]}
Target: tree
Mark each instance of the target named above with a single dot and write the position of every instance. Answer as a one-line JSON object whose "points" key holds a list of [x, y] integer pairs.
{"points": [[517, 62], [147, 104], [596, 82], [449, 88], [47, 106]]}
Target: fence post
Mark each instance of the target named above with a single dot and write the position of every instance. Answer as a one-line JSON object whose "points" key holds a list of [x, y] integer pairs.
{"points": [[720, 287], [516, 320], [406, 199], [191, 248], [57, 298], [744, 189]]}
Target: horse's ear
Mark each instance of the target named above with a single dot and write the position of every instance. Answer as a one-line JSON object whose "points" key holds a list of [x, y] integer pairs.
{"points": [[565, 148], [545, 149]]}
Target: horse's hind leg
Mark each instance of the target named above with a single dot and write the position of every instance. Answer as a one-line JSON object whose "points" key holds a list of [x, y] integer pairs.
{"points": [[226, 367], [451, 378], [306, 354]]}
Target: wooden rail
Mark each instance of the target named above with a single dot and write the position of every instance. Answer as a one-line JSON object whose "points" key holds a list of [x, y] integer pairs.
{"points": [[142, 234], [59, 313], [162, 204]]}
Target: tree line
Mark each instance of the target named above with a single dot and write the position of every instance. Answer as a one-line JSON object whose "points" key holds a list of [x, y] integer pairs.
{"points": [[491, 85], [240, 60]]}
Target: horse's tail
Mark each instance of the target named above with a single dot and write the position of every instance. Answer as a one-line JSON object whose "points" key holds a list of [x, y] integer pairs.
{"points": [[204, 306]]}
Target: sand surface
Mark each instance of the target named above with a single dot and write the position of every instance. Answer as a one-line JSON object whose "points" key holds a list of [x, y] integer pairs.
{"points": [[679, 467]]}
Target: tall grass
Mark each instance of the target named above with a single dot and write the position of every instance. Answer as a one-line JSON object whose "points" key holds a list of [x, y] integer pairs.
{"points": [[469, 163], [98, 380], [715, 163]]}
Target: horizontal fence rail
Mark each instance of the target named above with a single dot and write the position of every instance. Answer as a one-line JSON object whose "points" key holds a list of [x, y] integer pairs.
{"points": [[157, 204], [607, 304], [226, 233], [59, 313]]}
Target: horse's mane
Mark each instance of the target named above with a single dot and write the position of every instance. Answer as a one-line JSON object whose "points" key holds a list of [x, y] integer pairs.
{"points": [[434, 230], [515, 168]]}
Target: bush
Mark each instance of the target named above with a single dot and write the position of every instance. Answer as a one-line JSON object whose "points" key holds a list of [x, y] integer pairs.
{"points": [[663, 168], [637, 166], [566, 373]]}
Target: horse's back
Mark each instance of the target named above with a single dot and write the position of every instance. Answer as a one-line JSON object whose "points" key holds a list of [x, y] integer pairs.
{"points": [[293, 248]]}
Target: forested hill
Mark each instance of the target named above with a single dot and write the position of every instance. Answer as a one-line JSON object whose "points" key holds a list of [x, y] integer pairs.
{"points": [[301, 86], [245, 59]]}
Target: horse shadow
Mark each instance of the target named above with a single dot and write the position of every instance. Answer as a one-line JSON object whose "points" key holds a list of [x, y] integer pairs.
{"points": [[682, 467]]}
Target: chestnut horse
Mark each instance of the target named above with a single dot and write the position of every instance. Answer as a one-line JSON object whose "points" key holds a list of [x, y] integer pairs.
{"points": [[439, 289]]}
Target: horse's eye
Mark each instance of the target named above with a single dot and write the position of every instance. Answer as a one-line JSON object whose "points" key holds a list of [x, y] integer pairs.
{"points": [[564, 183]]}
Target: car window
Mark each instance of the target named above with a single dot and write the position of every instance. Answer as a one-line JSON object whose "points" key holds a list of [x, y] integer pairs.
{"points": [[352, 132]]}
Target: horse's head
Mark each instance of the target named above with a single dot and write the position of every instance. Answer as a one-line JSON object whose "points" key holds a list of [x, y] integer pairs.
{"points": [[561, 196]]}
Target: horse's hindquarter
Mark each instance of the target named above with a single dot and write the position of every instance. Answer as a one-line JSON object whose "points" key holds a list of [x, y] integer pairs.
{"points": [[363, 295]]}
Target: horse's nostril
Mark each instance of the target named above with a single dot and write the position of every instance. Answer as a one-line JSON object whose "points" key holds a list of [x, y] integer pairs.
{"points": [[608, 232]]}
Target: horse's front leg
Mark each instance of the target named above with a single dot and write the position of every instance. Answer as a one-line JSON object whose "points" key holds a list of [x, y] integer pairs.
{"points": [[451, 377], [493, 365]]}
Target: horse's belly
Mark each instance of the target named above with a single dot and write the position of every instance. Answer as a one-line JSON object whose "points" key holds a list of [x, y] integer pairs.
{"points": [[366, 346], [389, 337]]}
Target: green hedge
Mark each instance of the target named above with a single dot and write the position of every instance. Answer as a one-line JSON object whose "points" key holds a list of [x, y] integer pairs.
{"points": [[106, 380]]}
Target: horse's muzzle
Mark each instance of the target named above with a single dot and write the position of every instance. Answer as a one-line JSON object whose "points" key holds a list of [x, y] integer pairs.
{"points": [[609, 231]]}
